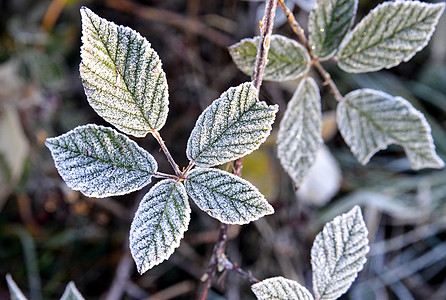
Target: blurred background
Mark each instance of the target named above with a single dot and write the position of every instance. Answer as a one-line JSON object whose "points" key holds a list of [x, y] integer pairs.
{"points": [[50, 235]]}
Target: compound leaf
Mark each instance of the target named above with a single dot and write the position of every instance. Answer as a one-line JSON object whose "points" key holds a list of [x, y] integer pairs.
{"points": [[280, 288], [287, 59], [159, 224], [233, 126], [14, 291], [328, 23], [71, 293], [338, 254], [390, 34], [100, 162], [300, 130], [122, 76], [226, 197], [370, 120]]}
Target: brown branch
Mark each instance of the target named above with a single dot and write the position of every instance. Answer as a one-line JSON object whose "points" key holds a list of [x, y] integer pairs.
{"points": [[219, 249], [224, 261], [266, 28], [327, 80], [299, 31]]}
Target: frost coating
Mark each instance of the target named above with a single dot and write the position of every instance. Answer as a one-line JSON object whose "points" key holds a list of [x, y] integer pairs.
{"points": [[390, 34], [14, 291], [280, 288], [233, 126], [300, 131], [71, 293], [328, 23], [287, 59], [226, 197], [371, 120], [338, 254], [122, 76], [100, 162], [159, 224]]}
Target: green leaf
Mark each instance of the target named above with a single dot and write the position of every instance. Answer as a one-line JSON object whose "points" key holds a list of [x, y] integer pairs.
{"points": [[159, 224], [300, 130], [100, 162], [328, 23], [338, 254], [287, 59], [122, 76], [233, 126], [390, 34], [71, 293], [280, 288], [226, 197], [14, 291], [371, 120]]}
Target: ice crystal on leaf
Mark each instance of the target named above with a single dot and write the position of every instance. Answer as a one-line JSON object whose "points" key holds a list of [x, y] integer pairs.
{"points": [[328, 23], [280, 288], [14, 291], [159, 224], [287, 59], [226, 197], [391, 33], [370, 120], [300, 131], [100, 162], [122, 76], [338, 254], [71, 293], [233, 126]]}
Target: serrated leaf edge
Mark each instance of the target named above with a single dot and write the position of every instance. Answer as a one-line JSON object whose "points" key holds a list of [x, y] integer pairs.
{"points": [[370, 15]]}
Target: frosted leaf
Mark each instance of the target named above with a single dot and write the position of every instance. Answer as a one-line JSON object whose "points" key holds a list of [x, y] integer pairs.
{"points": [[390, 34], [287, 59], [300, 130], [14, 291], [159, 224], [100, 162], [338, 254], [122, 76], [233, 126], [71, 293], [280, 288], [226, 197], [328, 23], [370, 120]]}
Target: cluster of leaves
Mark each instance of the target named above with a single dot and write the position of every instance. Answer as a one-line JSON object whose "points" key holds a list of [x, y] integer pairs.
{"points": [[338, 254], [125, 84], [369, 120]]}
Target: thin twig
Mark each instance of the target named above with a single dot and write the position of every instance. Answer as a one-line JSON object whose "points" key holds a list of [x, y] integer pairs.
{"points": [[219, 248], [299, 31], [266, 28], [327, 80], [172, 162], [224, 261]]}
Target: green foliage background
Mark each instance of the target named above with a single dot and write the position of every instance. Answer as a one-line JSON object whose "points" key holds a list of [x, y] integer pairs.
{"points": [[50, 235]]}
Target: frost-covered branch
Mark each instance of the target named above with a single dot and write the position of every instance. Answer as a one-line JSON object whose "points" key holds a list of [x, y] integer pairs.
{"points": [[266, 28]]}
